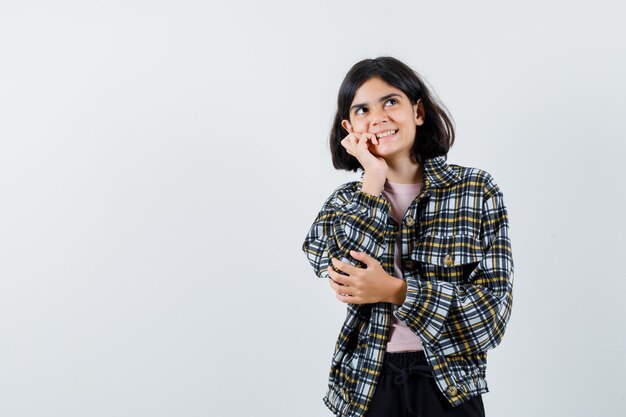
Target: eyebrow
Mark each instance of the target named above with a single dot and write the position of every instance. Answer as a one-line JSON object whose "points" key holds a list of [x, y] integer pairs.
{"points": [[383, 98]]}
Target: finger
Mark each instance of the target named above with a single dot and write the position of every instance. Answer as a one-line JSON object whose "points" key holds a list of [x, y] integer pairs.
{"points": [[344, 267], [346, 145], [333, 274], [333, 284], [366, 137], [371, 137], [344, 298], [360, 140], [338, 278], [351, 139], [350, 143], [341, 289], [365, 258]]}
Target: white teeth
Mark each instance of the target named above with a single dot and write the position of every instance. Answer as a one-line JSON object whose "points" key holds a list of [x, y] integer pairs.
{"points": [[387, 133]]}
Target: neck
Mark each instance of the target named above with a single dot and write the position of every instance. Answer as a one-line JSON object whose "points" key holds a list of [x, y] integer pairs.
{"points": [[406, 171]]}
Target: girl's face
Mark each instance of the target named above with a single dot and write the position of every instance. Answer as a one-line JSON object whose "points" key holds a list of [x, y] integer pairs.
{"points": [[382, 109]]}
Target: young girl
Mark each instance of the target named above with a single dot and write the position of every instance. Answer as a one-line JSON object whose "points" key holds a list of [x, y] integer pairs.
{"points": [[418, 249]]}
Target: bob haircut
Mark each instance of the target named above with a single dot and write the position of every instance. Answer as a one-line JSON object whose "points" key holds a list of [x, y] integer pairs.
{"points": [[433, 138]]}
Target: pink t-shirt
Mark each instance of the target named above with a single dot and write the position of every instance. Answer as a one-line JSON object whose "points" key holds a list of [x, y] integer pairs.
{"points": [[401, 338]]}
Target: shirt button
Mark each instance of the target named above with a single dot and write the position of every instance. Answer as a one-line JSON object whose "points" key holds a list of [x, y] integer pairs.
{"points": [[409, 221], [409, 264], [448, 259], [452, 390]]}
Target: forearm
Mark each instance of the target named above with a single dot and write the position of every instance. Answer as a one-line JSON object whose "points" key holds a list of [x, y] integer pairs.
{"points": [[373, 183], [351, 221], [360, 225]]}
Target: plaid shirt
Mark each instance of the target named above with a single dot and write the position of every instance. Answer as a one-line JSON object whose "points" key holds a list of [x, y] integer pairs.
{"points": [[457, 262]]}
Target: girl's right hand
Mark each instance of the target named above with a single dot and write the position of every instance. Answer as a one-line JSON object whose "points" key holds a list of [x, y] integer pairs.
{"points": [[357, 145]]}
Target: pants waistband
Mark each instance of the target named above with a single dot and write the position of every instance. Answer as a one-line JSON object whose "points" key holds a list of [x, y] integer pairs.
{"points": [[404, 366], [403, 360]]}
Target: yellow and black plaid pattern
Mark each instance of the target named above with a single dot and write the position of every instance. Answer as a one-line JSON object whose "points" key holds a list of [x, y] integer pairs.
{"points": [[458, 265]]}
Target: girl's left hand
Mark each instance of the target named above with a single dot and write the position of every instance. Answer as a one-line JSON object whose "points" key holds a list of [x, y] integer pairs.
{"points": [[365, 286]]}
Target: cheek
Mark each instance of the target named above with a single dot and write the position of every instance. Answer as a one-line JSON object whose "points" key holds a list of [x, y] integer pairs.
{"points": [[410, 128], [359, 126]]}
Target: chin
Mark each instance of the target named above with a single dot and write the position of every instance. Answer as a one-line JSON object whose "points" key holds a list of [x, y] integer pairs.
{"points": [[383, 152]]}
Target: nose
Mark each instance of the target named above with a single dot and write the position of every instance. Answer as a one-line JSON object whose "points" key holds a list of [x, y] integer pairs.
{"points": [[378, 115]]}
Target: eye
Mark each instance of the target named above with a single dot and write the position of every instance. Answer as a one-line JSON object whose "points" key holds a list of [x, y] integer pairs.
{"points": [[358, 110], [392, 100]]}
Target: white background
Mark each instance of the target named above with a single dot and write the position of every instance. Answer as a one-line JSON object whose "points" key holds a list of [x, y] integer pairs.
{"points": [[162, 161]]}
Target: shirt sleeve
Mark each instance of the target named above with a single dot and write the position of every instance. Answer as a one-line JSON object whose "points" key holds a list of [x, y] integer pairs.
{"points": [[357, 224], [469, 317]]}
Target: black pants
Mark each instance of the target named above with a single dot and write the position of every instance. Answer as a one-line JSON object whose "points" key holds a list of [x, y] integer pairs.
{"points": [[407, 389]]}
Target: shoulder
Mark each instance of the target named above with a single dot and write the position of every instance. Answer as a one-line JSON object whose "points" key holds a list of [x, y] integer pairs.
{"points": [[343, 193], [476, 178]]}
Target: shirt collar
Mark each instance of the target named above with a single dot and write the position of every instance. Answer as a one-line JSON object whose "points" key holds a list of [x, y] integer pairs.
{"points": [[437, 173]]}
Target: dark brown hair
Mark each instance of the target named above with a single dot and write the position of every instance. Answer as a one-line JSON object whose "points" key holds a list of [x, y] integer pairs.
{"points": [[433, 138]]}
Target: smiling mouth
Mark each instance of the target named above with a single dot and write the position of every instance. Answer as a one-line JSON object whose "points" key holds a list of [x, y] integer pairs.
{"points": [[387, 135]]}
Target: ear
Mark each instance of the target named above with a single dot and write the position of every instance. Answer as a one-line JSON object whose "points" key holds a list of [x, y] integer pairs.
{"points": [[419, 112], [346, 125]]}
